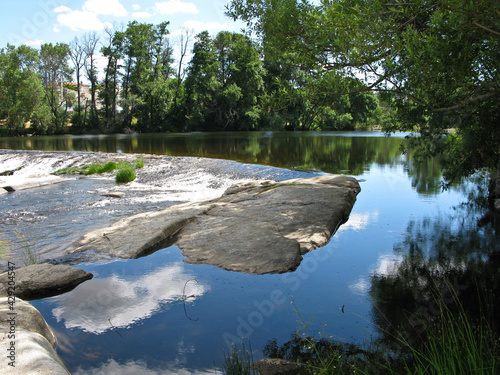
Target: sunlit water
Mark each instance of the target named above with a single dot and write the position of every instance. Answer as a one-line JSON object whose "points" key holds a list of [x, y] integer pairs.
{"points": [[159, 315]]}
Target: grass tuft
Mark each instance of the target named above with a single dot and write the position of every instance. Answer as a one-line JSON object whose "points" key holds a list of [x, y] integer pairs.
{"points": [[125, 175], [238, 362], [125, 169]]}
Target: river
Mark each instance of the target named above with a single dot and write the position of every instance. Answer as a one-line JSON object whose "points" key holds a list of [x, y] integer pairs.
{"points": [[159, 315]]}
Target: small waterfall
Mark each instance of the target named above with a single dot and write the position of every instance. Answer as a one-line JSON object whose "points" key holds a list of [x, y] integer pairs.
{"points": [[46, 219]]}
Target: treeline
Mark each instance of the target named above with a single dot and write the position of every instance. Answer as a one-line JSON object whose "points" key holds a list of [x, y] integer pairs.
{"points": [[229, 84]]}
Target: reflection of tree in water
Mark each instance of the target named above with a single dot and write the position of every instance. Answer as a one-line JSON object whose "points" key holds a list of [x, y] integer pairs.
{"points": [[448, 265], [440, 259]]}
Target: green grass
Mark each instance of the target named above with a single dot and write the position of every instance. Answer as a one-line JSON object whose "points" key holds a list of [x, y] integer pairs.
{"points": [[139, 163], [455, 345], [126, 170], [125, 175], [238, 362], [4, 247], [29, 254]]}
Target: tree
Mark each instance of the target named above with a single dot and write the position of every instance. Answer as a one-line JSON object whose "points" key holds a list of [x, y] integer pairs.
{"points": [[147, 92], [22, 97], [437, 61], [77, 55], [54, 70], [113, 50], [90, 42], [224, 83]]}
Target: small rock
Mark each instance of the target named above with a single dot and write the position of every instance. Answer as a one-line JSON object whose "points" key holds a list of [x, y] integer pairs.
{"points": [[275, 366], [42, 280], [114, 194]]}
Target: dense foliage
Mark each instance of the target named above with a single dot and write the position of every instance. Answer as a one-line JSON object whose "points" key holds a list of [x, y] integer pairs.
{"points": [[229, 84], [435, 61], [426, 66]]}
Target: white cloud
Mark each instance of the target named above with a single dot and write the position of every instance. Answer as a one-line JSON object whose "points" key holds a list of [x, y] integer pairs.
{"points": [[62, 9], [136, 6], [141, 15], [106, 7], [176, 6], [82, 20], [37, 42]]}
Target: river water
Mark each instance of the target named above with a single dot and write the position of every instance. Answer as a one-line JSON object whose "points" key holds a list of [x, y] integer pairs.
{"points": [[158, 315]]}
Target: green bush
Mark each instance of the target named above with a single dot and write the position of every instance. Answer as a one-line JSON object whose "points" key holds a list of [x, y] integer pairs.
{"points": [[125, 175], [139, 163]]}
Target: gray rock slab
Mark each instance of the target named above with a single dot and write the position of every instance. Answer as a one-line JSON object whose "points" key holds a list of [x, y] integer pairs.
{"points": [[29, 339], [42, 280], [140, 234], [258, 227]]}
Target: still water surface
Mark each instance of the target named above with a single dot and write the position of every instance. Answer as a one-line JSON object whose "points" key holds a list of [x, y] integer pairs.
{"points": [[159, 315]]}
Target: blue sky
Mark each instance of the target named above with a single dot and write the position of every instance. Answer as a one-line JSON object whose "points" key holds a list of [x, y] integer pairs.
{"points": [[34, 22]]}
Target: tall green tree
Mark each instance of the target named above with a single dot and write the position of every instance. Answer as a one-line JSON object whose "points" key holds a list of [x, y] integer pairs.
{"points": [[22, 96], [54, 70], [77, 55], [113, 51], [436, 60], [147, 88], [224, 83], [90, 43]]}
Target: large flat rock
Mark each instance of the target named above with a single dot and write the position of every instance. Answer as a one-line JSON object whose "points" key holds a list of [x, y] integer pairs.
{"points": [[259, 227]]}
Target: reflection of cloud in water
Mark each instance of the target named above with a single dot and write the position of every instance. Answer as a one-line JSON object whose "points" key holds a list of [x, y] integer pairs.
{"points": [[360, 287], [133, 368], [359, 221], [386, 265], [101, 304]]}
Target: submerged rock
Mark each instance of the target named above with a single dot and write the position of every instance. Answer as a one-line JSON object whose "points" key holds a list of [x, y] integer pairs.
{"points": [[27, 341], [42, 280], [259, 227], [114, 194], [275, 366]]}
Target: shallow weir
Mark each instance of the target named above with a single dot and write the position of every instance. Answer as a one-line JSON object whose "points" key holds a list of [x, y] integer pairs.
{"points": [[159, 315]]}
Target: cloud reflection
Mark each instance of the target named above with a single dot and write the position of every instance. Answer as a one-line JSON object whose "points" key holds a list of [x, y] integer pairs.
{"points": [[102, 304], [359, 221], [386, 266], [137, 367]]}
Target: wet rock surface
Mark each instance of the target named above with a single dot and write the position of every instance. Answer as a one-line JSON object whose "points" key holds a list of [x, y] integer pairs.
{"points": [[257, 227]]}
